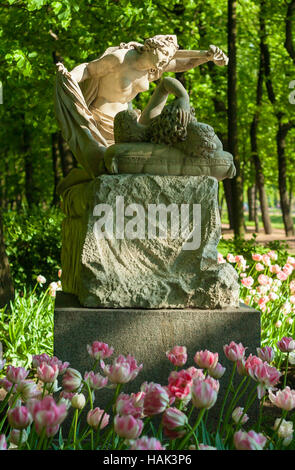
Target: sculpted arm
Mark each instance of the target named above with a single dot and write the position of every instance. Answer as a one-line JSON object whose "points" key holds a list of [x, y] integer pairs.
{"points": [[186, 60], [96, 68], [167, 85]]}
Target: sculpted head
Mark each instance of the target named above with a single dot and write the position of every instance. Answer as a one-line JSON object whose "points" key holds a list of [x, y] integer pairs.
{"points": [[161, 49], [158, 50]]}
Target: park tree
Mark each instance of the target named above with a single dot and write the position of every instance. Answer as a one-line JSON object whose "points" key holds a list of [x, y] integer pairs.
{"points": [[247, 103]]}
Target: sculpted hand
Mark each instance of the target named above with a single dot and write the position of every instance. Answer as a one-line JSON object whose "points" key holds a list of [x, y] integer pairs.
{"points": [[182, 104], [217, 56]]}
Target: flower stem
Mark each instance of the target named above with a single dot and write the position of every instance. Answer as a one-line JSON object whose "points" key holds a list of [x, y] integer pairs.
{"points": [[192, 430], [75, 428], [234, 401], [226, 395], [286, 371]]}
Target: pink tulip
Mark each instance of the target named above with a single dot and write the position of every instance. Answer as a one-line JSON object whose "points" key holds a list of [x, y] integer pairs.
{"points": [[273, 296], [174, 423], [67, 395], [127, 426], [196, 373], [174, 420], [206, 359], [217, 371], [241, 367], [266, 259], [249, 440], [147, 443], [47, 414], [99, 350], [156, 399], [47, 373], [284, 399], [230, 258], [97, 418], [130, 404], [53, 288], [288, 269], [62, 366], [179, 384], [275, 269], [273, 255], [259, 267], [95, 381], [286, 345], [238, 415], [247, 281], [263, 280], [220, 259], [292, 286], [234, 352], [19, 417], [263, 300], [4, 383], [41, 279], [213, 383], [71, 380], [27, 389], [251, 362], [256, 256], [177, 356], [282, 276], [3, 443], [286, 308], [123, 370], [38, 359], [16, 374], [266, 354], [203, 394], [263, 373], [291, 260]]}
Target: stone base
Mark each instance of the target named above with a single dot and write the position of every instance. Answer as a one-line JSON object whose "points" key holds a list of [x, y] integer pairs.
{"points": [[147, 242], [147, 334]]}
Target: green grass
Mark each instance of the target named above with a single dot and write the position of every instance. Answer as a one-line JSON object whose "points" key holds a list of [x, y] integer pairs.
{"points": [[275, 217], [26, 328]]}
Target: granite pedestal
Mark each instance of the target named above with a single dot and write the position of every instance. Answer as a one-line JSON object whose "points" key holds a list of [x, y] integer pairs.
{"points": [[147, 334]]}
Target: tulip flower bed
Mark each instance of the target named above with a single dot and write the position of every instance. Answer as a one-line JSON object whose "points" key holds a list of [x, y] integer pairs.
{"points": [[37, 402], [38, 390], [268, 286]]}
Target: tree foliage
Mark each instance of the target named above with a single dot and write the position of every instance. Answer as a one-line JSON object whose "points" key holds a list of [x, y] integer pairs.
{"points": [[35, 34]]}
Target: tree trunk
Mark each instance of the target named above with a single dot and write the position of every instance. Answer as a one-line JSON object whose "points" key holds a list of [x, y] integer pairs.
{"points": [[6, 284], [282, 128], [251, 203], [254, 151], [256, 214], [285, 204], [289, 32], [237, 183]]}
